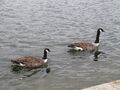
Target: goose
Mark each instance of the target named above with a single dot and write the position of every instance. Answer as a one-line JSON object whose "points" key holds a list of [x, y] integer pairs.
{"points": [[30, 61], [87, 46]]}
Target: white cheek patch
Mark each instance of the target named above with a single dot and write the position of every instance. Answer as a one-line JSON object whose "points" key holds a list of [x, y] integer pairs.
{"points": [[101, 30], [47, 51]]}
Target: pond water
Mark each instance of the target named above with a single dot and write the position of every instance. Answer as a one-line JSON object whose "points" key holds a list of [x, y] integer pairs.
{"points": [[29, 26]]}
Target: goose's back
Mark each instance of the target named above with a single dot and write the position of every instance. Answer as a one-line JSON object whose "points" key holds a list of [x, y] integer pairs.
{"points": [[30, 61], [86, 46]]}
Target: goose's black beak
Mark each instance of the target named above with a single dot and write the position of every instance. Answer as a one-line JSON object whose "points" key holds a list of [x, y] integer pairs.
{"points": [[103, 31]]}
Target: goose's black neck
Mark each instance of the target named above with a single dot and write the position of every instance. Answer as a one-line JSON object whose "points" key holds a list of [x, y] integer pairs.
{"points": [[45, 55], [97, 36]]}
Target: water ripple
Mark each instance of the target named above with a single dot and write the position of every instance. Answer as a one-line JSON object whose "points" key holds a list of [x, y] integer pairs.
{"points": [[29, 26]]}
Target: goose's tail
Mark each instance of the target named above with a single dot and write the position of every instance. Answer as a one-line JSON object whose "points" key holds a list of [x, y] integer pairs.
{"points": [[14, 61], [71, 45]]}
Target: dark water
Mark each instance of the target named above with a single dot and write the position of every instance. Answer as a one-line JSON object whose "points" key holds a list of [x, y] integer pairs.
{"points": [[29, 26]]}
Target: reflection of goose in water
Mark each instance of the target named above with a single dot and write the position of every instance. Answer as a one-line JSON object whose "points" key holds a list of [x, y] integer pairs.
{"points": [[21, 70], [86, 54], [87, 46], [96, 54], [81, 54]]}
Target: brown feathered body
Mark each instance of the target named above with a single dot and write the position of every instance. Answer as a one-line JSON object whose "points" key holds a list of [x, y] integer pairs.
{"points": [[84, 46], [32, 62], [29, 61], [87, 46]]}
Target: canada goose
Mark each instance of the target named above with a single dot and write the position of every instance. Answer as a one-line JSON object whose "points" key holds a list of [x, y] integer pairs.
{"points": [[87, 46], [32, 62]]}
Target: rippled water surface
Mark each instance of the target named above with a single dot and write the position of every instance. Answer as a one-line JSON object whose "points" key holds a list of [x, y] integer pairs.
{"points": [[29, 26]]}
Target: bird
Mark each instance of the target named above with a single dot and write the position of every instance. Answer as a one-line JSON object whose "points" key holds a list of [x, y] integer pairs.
{"points": [[31, 61], [87, 46]]}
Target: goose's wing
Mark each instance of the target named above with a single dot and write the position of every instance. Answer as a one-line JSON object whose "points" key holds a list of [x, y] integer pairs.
{"points": [[28, 61], [84, 45]]}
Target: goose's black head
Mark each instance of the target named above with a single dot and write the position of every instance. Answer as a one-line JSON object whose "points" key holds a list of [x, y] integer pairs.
{"points": [[101, 30], [46, 50], [98, 34], [45, 53]]}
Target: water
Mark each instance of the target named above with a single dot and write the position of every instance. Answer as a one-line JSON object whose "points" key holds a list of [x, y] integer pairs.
{"points": [[29, 26]]}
